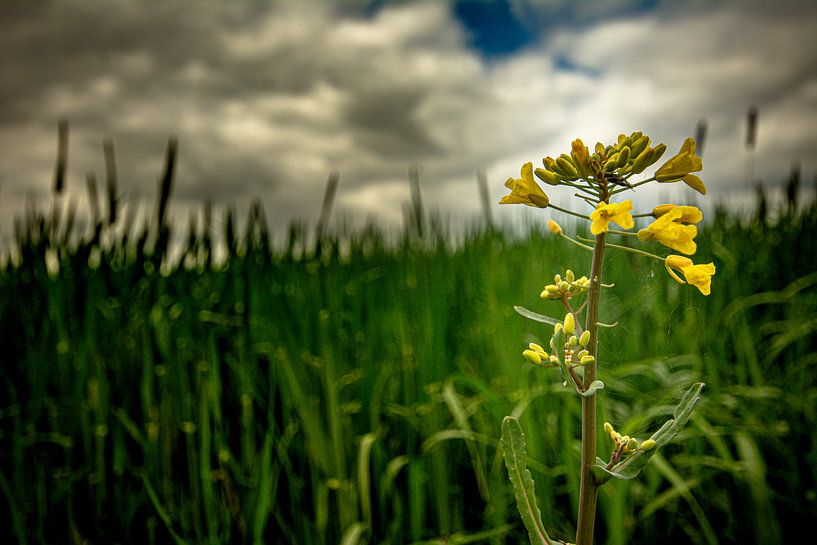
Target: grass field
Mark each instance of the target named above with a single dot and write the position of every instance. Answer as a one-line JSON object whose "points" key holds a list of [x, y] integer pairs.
{"points": [[354, 394]]}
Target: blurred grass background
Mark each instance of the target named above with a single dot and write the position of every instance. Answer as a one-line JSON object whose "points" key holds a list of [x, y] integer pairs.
{"points": [[351, 389]]}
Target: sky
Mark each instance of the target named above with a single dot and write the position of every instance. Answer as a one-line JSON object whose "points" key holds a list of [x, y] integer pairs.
{"points": [[267, 99]]}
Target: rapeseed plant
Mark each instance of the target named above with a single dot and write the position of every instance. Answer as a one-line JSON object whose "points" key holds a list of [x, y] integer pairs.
{"points": [[599, 178]]}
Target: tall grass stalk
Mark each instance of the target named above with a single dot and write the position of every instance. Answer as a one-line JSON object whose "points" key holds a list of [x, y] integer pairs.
{"points": [[355, 394]]}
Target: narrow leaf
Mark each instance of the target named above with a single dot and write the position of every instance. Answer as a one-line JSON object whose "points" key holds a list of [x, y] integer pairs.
{"points": [[515, 452], [631, 466], [535, 316]]}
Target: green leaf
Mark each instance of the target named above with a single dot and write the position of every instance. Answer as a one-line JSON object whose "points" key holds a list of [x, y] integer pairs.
{"points": [[595, 385], [535, 316], [515, 452], [631, 466]]}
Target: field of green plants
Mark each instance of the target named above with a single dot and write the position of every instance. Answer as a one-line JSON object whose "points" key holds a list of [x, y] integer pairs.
{"points": [[352, 391]]}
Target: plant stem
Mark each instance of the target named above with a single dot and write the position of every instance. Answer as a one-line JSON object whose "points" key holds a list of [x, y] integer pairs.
{"points": [[589, 487], [566, 211], [635, 251]]}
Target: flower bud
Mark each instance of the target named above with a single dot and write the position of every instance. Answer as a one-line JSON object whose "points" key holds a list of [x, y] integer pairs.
{"points": [[564, 286], [632, 443], [572, 341], [547, 176], [586, 360], [550, 163], [570, 323], [608, 428], [566, 167], [558, 328], [623, 157], [554, 227], [532, 357], [569, 275], [642, 161], [657, 152], [639, 145], [550, 292], [648, 444], [581, 158], [585, 338]]}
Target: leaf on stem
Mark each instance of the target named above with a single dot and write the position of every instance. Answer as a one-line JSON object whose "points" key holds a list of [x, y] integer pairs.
{"points": [[515, 453], [595, 385], [631, 466], [535, 316]]}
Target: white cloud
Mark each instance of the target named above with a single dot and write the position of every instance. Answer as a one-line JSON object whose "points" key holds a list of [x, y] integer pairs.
{"points": [[267, 101]]}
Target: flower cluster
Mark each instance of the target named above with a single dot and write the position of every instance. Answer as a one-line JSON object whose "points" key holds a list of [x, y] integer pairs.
{"points": [[624, 444], [565, 288], [568, 349], [616, 162], [605, 173]]}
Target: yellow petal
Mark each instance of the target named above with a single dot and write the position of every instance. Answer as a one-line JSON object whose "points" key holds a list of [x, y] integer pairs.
{"points": [[689, 214], [677, 261], [700, 276], [688, 146], [695, 183]]}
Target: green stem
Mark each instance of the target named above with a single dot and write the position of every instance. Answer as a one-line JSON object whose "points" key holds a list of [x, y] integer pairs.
{"points": [[635, 251], [566, 211], [576, 242], [588, 492], [589, 188], [632, 186]]}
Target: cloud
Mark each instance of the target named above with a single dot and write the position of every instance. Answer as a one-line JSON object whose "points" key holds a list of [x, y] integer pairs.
{"points": [[268, 99]]}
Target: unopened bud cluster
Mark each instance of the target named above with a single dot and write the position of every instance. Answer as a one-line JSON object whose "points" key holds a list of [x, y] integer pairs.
{"points": [[624, 443], [565, 288], [537, 356], [573, 347], [630, 155]]}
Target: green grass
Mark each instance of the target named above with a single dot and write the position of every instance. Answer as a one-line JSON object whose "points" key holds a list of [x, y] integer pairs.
{"points": [[355, 395]]}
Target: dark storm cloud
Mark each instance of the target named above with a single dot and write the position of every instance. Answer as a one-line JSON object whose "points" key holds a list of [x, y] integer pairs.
{"points": [[267, 99], [384, 121]]}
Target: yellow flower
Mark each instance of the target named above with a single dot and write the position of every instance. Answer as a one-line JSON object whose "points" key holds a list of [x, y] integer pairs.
{"points": [[680, 166], [668, 230], [699, 276], [605, 213], [689, 214], [684, 162], [525, 190], [554, 227]]}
